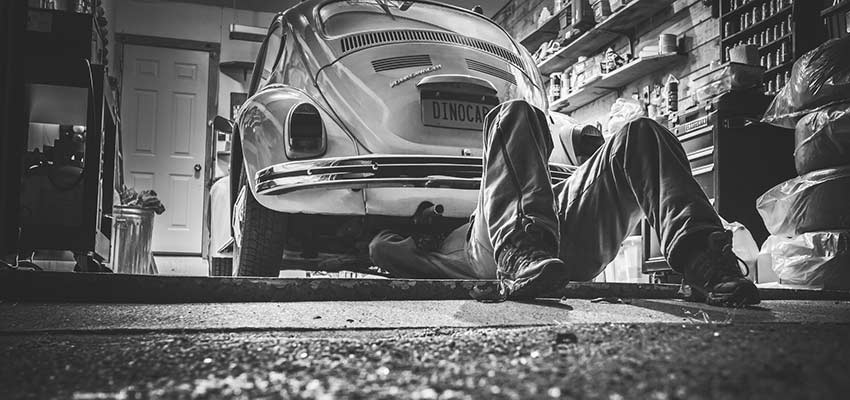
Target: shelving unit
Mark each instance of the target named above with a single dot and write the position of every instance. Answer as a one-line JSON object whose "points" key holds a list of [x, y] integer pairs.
{"points": [[612, 81], [783, 30], [71, 158], [229, 67], [544, 33], [835, 18], [621, 23]]}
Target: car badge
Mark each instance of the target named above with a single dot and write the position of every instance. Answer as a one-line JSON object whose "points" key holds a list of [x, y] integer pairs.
{"points": [[412, 75]]}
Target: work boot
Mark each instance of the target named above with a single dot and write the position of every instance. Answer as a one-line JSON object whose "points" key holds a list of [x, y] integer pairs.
{"points": [[525, 270], [715, 277]]}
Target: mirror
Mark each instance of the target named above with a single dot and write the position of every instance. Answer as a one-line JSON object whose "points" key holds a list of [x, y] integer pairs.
{"points": [[222, 124]]}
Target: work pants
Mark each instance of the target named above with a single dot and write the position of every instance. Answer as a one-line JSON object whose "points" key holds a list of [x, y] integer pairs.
{"points": [[641, 171]]}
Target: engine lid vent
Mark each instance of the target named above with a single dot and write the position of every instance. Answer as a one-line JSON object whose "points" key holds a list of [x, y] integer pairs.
{"points": [[360, 40], [386, 64], [490, 70]]}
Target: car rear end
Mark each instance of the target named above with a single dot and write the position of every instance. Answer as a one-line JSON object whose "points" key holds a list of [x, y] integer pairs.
{"points": [[411, 83]]}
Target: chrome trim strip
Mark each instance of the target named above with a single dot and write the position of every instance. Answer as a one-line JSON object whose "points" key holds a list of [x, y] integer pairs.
{"points": [[702, 170], [691, 135], [701, 153], [380, 171]]}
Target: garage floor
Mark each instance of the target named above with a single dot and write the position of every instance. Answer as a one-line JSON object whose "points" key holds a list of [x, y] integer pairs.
{"points": [[572, 348]]}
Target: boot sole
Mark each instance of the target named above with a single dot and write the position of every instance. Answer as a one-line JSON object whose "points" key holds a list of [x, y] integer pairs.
{"points": [[552, 276], [742, 296]]}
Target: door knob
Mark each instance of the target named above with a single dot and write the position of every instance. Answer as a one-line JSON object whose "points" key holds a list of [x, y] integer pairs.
{"points": [[197, 167]]}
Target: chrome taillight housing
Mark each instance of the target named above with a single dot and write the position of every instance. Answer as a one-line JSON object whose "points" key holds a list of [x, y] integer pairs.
{"points": [[305, 134]]}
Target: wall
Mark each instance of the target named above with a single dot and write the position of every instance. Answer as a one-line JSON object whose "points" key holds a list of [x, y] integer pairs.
{"points": [[520, 17], [193, 22], [685, 18]]}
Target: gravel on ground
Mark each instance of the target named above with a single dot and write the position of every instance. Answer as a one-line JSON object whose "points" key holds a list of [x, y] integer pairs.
{"points": [[609, 361]]}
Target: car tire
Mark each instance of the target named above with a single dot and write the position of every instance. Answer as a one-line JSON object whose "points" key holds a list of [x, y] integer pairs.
{"points": [[221, 266], [263, 232]]}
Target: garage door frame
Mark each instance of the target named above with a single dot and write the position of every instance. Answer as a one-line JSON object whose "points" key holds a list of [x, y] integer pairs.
{"points": [[214, 50]]}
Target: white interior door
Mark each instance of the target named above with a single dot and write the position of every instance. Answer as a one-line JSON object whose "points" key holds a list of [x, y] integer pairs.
{"points": [[163, 116]]}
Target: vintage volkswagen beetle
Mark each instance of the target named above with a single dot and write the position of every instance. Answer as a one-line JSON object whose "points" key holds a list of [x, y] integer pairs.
{"points": [[358, 112]]}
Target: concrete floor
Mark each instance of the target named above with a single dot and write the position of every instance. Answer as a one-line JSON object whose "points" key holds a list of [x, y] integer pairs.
{"points": [[418, 349], [378, 315], [569, 348]]}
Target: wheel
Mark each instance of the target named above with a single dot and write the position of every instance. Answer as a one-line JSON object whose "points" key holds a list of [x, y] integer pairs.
{"points": [[259, 249], [221, 266]]}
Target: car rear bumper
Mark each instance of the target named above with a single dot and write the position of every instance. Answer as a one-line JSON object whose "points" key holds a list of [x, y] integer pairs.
{"points": [[380, 171]]}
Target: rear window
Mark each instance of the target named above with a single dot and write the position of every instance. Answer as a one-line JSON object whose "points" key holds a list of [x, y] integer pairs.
{"points": [[347, 17]]}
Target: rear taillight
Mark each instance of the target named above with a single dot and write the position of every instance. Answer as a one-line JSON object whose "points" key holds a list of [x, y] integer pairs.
{"points": [[305, 133]]}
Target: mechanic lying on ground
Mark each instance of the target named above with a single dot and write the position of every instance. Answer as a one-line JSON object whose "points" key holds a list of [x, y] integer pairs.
{"points": [[535, 238]]}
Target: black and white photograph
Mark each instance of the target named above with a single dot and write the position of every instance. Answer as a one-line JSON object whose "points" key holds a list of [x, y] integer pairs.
{"points": [[425, 199]]}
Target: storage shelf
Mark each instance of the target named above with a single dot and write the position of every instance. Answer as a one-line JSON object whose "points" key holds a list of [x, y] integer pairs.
{"points": [[621, 77], [834, 8], [229, 67], [775, 42], [785, 64], [616, 25], [753, 29], [546, 32], [746, 7]]}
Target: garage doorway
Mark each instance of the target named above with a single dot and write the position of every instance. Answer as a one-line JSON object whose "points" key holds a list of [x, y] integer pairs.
{"points": [[168, 93]]}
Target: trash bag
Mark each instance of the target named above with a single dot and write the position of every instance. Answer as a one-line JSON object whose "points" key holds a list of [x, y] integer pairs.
{"points": [[815, 259], [818, 78], [817, 201], [743, 243], [622, 112], [823, 139]]}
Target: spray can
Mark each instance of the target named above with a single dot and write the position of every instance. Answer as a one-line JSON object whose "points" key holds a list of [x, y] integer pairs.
{"points": [[555, 87], [672, 94]]}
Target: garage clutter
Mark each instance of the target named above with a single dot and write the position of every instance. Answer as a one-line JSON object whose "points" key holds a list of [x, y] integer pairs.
{"points": [[132, 232], [808, 216]]}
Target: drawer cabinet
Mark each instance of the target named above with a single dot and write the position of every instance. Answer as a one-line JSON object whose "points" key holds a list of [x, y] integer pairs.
{"points": [[735, 159]]}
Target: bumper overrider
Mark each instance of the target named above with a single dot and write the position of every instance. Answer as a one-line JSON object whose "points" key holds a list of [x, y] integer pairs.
{"points": [[375, 171]]}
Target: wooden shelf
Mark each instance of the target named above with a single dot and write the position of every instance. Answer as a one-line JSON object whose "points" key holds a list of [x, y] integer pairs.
{"points": [[834, 8], [744, 8], [616, 25], [785, 64], [544, 33], [626, 74], [775, 42], [754, 28], [245, 67]]}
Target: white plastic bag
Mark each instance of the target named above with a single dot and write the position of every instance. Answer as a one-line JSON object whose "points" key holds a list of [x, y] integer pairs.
{"points": [[823, 139], [813, 202], [622, 112], [743, 244], [815, 259], [818, 78]]}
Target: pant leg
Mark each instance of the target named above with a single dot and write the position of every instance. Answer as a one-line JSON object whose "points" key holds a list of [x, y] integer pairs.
{"points": [[516, 190], [642, 170], [399, 256]]}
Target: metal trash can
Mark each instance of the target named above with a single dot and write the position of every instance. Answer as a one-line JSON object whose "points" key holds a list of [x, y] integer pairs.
{"points": [[132, 233]]}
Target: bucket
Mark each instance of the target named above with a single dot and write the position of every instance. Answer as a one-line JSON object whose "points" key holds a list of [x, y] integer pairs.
{"points": [[132, 233]]}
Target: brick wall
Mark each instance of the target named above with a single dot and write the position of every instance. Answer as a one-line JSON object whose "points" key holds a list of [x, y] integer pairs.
{"points": [[685, 18], [519, 17]]}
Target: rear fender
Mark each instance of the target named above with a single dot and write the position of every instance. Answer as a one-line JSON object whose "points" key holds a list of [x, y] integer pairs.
{"points": [[262, 126]]}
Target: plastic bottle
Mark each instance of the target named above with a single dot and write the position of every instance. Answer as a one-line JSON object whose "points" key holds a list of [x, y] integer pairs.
{"points": [[672, 95], [555, 87]]}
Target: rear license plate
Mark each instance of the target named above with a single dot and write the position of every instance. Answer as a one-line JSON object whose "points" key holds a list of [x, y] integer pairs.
{"points": [[456, 111]]}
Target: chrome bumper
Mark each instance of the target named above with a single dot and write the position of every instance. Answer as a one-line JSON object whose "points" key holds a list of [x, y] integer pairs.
{"points": [[371, 171]]}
